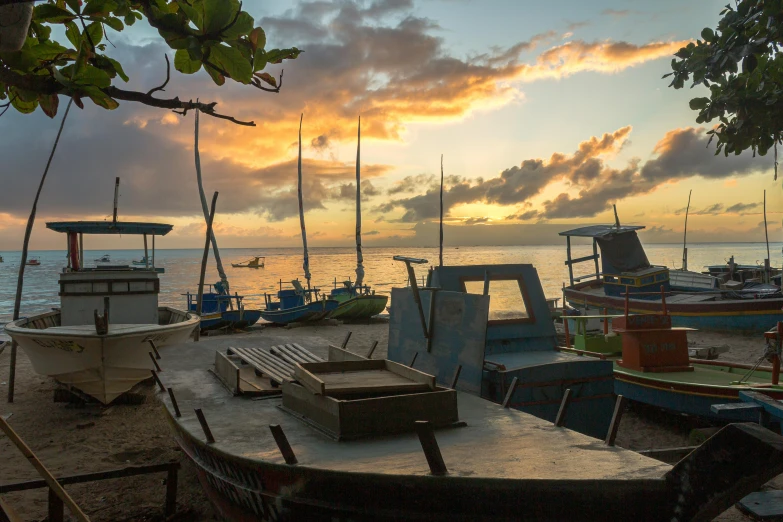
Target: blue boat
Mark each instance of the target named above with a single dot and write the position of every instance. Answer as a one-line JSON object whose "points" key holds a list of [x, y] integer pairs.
{"points": [[221, 310], [624, 267], [297, 305], [463, 323]]}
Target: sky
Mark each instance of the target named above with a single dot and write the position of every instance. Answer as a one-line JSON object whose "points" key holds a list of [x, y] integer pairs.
{"points": [[546, 115]]}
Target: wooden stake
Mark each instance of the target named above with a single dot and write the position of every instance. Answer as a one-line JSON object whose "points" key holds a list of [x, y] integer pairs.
{"points": [[25, 246], [510, 392], [155, 362], [345, 341], [154, 348], [431, 449], [282, 444], [456, 377], [200, 297], [157, 380], [204, 426], [413, 361], [54, 486], [372, 349], [561, 413], [619, 407], [174, 403]]}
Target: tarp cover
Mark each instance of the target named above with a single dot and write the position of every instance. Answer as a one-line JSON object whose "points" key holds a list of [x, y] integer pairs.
{"points": [[622, 253]]}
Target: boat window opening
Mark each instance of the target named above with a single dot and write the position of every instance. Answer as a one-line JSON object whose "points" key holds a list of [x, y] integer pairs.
{"points": [[507, 301], [627, 281]]}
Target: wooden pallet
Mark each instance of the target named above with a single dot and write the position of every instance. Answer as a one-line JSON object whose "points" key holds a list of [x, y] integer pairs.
{"points": [[260, 371]]}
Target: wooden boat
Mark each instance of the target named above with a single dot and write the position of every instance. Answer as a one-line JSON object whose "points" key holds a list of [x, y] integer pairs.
{"points": [[264, 460], [253, 262], [356, 303], [105, 258], [99, 341], [293, 306], [144, 261], [624, 267], [502, 351], [216, 312], [33, 261], [1, 259]]}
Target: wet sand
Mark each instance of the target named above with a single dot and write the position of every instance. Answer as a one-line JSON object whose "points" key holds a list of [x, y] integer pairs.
{"points": [[71, 438]]}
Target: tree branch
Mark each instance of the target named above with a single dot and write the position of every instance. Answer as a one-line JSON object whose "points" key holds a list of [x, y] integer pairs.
{"points": [[168, 77], [256, 82]]}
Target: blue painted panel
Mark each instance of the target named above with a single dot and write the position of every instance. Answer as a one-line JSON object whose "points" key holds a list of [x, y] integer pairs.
{"points": [[459, 331]]}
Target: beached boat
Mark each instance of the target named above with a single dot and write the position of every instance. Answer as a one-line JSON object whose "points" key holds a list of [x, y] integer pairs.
{"points": [[624, 267], [253, 262], [280, 460], [33, 261], [99, 341], [221, 310], [297, 305], [491, 325], [356, 303]]}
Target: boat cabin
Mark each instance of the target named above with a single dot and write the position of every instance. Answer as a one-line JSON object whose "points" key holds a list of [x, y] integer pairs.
{"points": [[131, 292], [624, 263], [491, 327]]}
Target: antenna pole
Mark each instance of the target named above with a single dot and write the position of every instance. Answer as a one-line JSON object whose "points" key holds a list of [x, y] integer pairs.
{"points": [[685, 234], [116, 197]]}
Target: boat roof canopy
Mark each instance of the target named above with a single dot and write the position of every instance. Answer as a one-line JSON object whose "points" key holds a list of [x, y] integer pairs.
{"points": [[110, 227], [600, 230]]}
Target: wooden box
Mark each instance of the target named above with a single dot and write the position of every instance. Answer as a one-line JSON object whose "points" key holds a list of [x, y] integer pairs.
{"points": [[344, 419], [361, 378]]}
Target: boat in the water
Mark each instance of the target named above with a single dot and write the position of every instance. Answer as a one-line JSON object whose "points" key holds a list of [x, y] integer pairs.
{"points": [[491, 325], [34, 261], [624, 267], [253, 262], [100, 339], [105, 258], [144, 261], [222, 310], [296, 305], [428, 453], [356, 303]]}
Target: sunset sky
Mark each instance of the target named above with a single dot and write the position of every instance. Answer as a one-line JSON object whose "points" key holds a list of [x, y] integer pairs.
{"points": [[546, 114]]}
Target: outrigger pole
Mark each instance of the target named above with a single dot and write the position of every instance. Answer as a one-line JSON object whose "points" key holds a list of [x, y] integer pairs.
{"points": [[306, 263], [205, 210], [359, 256], [685, 234]]}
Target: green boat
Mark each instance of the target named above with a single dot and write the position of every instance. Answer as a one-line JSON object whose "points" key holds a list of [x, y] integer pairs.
{"points": [[356, 303]]}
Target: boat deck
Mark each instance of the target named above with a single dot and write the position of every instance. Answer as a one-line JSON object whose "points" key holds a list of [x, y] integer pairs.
{"points": [[709, 375], [496, 443]]}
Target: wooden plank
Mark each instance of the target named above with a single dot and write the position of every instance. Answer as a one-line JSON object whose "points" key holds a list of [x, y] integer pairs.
{"points": [[7, 514], [277, 351], [357, 376], [561, 413], [130, 471], [338, 354], [47, 476], [581, 259], [763, 505], [728, 409], [226, 370], [261, 365], [294, 353], [619, 409], [309, 380], [770, 405], [410, 373], [307, 353], [282, 367]]}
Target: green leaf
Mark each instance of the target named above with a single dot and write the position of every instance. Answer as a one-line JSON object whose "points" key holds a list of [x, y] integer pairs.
{"points": [[52, 14], [217, 15], [268, 78], [130, 19], [49, 104], [100, 98], [278, 55], [258, 38], [48, 50], [216, 76], [75, 5], [707, 34], [100, 8], [192, 13], [241, 27], [89, 75], [115, 23], [95, 31], [259, 61], [73, 34], [118, 69], [184, 64], [231, 61], [25, 107]]}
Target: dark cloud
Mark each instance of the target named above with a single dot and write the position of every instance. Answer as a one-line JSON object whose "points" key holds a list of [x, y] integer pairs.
{"points": [[320, 143], [348, 191], [412, 184], [742, 207], [476, 220]]}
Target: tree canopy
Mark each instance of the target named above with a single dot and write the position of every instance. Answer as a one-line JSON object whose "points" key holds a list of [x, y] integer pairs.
{"points": [[740, 63], [216, 35]]}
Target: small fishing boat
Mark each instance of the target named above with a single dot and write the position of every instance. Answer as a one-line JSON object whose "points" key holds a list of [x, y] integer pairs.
{"points": [[253, 262], [625, 269], [100, 339], [105, 258], [426, 452], [144, 261], [1, 259], [297, 305], [356, 303], [221, 310], [34, 261]]}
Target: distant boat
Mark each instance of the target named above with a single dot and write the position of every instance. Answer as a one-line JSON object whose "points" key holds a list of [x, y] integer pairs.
{"points": [[253, 262], [1, 259], [104, 259], [33, 261], [142, 262]]}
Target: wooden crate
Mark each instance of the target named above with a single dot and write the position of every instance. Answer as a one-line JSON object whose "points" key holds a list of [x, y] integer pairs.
{"points": [[356, 418], [362, 377]]}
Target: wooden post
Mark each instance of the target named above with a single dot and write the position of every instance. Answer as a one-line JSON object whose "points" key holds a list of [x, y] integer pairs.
{"points": [[413, 361], [154, 348], [45, 474], [81, 249], [200, 297], [510, 392], [619, 407], [568, 256], [171, 491], [627, 297], [431, 449], [56, 508], [595, 259], [561, 413], [417, 297], [565, 328], [204, 426], [440, 242], [153, 250], [174, 403], [606, 322], [486, 283], [283, 444], [776, 358], [116, 198], [766, 236], [345, 341], [155, 362], [372, 349], [685, 234], [157, 380], [431, 319], [146, 255], [456, 377]]}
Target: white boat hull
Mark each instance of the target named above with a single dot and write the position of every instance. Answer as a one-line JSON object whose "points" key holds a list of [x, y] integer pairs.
{"points": [[103, 366]]}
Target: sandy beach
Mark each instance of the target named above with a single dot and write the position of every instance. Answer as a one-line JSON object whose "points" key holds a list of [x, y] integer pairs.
{"points": [[72, 438]]}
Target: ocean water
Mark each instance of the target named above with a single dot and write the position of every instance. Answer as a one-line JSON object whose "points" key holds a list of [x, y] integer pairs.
{"points": [[381, 272]]}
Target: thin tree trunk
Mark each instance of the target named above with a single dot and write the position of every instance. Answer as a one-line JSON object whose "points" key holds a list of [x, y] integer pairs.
{"points": [[200, 297], [205, 210], [28, 231], [306, 263], [359, 256]]}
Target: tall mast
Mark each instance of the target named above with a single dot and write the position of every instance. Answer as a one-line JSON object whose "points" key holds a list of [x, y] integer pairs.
{"points": [[359, 257], [685, 234], [205, 209], [440, 242], [306, 264], [116, 198]]}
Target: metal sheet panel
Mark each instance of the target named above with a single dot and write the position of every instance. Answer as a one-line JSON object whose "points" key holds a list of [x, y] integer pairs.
{"points": [[458, 335]]}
